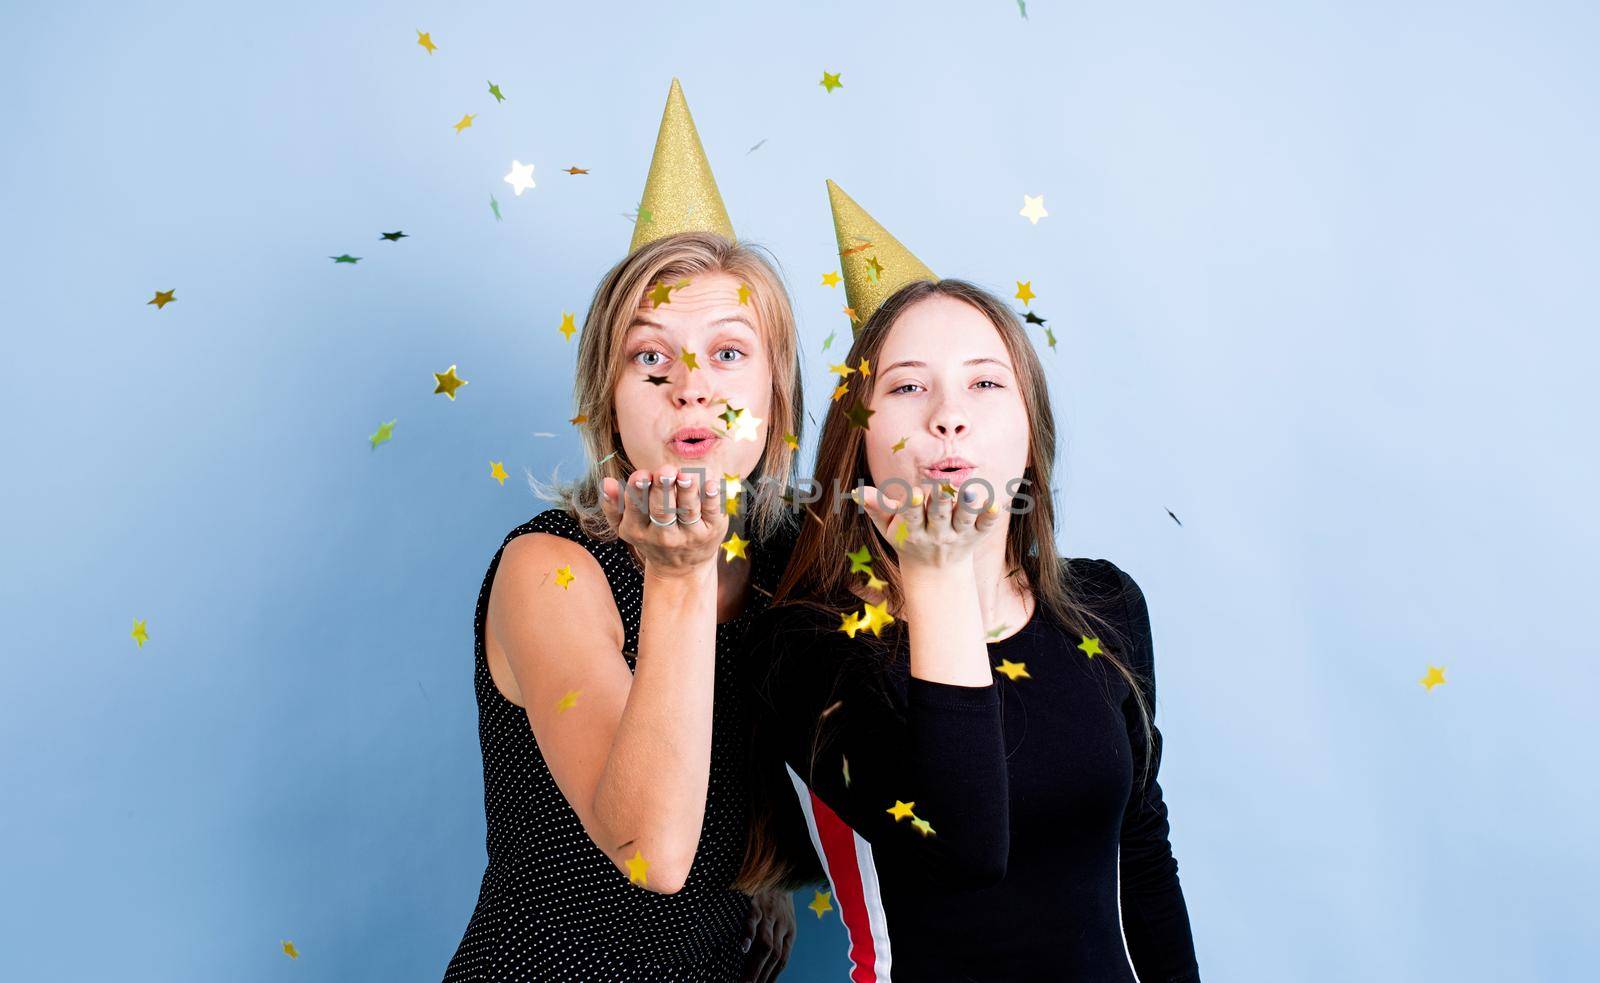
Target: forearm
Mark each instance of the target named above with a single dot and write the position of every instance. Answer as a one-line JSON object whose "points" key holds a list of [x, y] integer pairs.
{"points": [[652, 790], [945, 625]]}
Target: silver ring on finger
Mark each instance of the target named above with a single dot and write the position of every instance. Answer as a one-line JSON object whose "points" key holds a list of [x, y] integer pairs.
{"points": [[689, 522], [655, 523]]}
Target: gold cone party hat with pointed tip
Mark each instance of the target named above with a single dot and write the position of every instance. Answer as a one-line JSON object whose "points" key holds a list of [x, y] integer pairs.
{"points": [[680, 195], [874, 262]]}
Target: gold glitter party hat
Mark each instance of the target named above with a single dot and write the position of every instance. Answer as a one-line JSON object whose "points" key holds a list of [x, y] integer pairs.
{"points": [[680, 195], [874, 262]]}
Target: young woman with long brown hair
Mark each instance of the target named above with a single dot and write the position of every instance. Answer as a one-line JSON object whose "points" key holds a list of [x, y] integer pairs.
{"points": [[966, 717]]}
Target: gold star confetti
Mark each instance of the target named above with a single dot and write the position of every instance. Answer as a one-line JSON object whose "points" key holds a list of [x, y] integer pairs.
{"points": [[494, 90], [463, 123], [875, 268], [850, 624], [1013, 670], [841, 369], [830, 81], [577, 170], [497, 471], [744, 293], [922, 826], [732, 483], [850, 312], [385, 432], [568, 700], [564, 576], [161, 299], [290, 951], [568, 325], [900, 445], [792, 441], [1033, 208], [1024, 291], [901, 810], [637, 866], [840, 390], [426, 41], [830, 279], [139, 634], [873, 583], [580, 418], [858, 415], [1434, 677], [864, 368], [1091, 646], [660, 295], [821, 903], [734, 547], [689, 359], [878, 617], [861, 559], [448, 382], [845, 763], [901, 531], [1050, 336]]}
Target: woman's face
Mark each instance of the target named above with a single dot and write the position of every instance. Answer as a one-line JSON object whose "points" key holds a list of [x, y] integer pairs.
{"points": [[660, 398], [944, 384]]}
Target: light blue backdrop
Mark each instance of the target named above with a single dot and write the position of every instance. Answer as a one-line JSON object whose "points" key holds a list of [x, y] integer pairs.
{"points": [[1322, 275]]}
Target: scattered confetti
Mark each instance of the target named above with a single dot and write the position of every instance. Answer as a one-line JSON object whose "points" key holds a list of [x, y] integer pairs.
{"points": [[520, 178], [830, 279], [876, 617], [580, 418], [830, 81], [744, 294], [393, 236], [605, 459], [756, 147], [841, 369], [1032, 318], [496, 206], [1050, 337], [448, 383], [1434, 677], [575, 169], [637, 868], [861, 559], [829, 340], [568, 700], [1033, 208], [923, 826], [345, 258], [1022, 5], [162, 298], [901, 810], [875, 268], [792, 441], [497, 471], [996, 632], [843, 388], [426, 41], [821, 903], [494, 90], [845, 764], [463, 123], [384, 432], [864, 368], [1013, 670], [744, 425], [735, 547], [858, 416], [689, 359], [568, 325], [901, 444], [564, 576], [850, 312], [1091, 646], [139, 634], [1174, 518], [288, 947], [1025, 291], [850, 624], [657, 380], [543, 433], [660, 295]]}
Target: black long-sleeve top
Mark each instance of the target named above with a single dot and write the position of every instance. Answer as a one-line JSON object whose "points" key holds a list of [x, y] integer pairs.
{"points": [[982, 833]]}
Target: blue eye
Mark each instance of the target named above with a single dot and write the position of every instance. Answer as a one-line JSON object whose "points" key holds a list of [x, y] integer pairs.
{"points": [[736, 350], [649, 351]]}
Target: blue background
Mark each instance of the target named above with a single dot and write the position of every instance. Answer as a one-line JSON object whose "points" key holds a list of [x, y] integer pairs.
{"points": [[1322, 275]]}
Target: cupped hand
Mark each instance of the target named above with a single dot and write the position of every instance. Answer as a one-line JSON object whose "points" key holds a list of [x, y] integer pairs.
{"points": [[933, 528], [680, 547]]}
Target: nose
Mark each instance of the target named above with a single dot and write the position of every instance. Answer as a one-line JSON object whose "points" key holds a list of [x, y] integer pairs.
{"points": [[690, 391]]}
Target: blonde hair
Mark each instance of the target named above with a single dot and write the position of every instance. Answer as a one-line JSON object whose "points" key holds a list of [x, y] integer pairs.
{"points": [[600, 366]]}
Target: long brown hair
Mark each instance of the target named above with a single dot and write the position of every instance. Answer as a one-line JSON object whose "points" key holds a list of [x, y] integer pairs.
{"points": [[817, 577], [600, 364]]}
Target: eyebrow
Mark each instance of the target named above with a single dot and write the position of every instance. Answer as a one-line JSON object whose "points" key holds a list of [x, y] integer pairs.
{"points": [[913, 364]]}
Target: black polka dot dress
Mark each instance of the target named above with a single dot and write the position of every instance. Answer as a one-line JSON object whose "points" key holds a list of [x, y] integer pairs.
{"points": [[552, 906]]}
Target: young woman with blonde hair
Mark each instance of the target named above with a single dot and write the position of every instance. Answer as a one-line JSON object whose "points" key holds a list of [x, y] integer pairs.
{"points": [[607, 628]]}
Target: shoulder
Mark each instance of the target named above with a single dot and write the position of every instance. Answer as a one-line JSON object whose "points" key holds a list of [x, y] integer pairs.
{"points": [[1116, 595], [553, 546]]}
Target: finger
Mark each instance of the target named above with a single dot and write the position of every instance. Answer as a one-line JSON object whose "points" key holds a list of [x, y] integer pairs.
{"points": [[656, 514], [611, 501], [988, 518], [968, 504], [667, 482], [639, 494], [689, 497], [940, 507]]}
